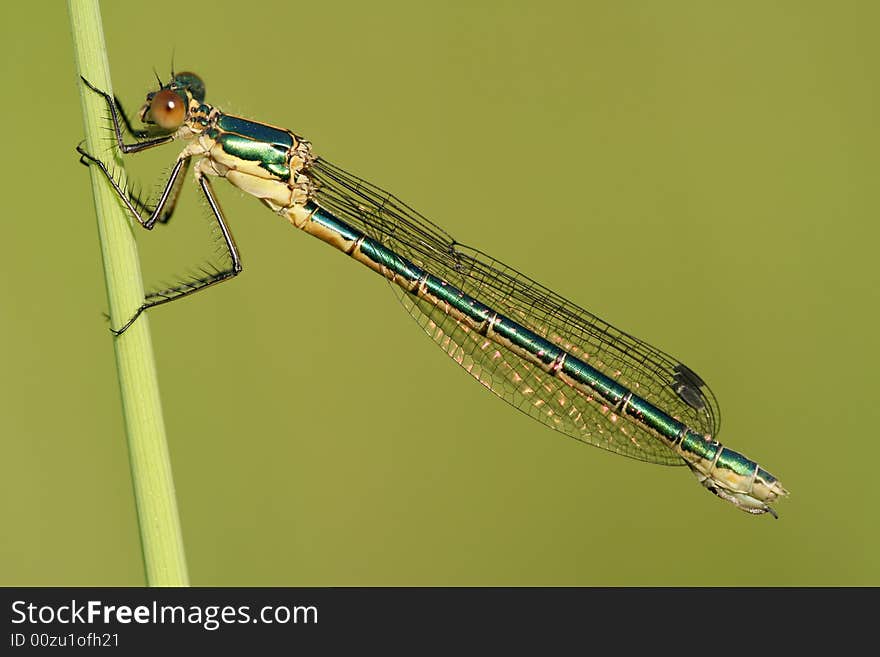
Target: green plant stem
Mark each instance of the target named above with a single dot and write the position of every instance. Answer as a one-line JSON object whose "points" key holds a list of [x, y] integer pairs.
{"points": [[161, 538]]}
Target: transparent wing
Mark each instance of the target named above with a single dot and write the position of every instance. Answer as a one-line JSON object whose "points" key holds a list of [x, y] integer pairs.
{"points": [[647, 371]]}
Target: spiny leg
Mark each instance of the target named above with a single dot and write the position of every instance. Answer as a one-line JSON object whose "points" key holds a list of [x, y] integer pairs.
{"points": [[115, 111], [137, 134], [171, 205], [210, 277], [170, 193], [173, 195]]}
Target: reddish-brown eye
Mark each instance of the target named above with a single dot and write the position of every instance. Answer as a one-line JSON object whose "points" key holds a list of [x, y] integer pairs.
{"points": [[167, 110]]}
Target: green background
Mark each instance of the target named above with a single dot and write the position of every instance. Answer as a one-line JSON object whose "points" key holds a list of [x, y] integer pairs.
{"points": [[703, 175]]}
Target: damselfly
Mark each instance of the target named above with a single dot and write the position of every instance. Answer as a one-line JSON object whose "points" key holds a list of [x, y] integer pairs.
{"points": [[542, 354]]}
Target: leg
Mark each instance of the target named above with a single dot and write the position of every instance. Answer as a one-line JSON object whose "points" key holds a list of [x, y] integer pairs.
{"points": [[170, 193], [201, 282], [137, 134], [115, 108], [165, 216], [116, 112]]}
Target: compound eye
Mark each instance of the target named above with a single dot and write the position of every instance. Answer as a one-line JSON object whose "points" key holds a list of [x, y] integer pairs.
{"points": [[168, 110]]}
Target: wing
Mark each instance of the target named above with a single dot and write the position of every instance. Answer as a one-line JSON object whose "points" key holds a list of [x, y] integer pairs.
{"points": [[648, 372]]}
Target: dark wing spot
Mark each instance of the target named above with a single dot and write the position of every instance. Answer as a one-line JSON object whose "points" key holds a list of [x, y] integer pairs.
{"points": [[687, 385]]}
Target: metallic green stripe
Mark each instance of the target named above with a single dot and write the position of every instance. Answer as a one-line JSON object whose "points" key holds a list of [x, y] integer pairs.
{"points": [[697, 444], [387, 258], [468, 306], [606, 388], [519, 335], [766, 476], [270, 158], [324, 218], [736, 462], [649, 415], [281, 139], [280, 171]]}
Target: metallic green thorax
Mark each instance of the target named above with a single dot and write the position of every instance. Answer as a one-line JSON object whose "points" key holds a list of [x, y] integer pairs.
{"points": [[255, 142]]}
